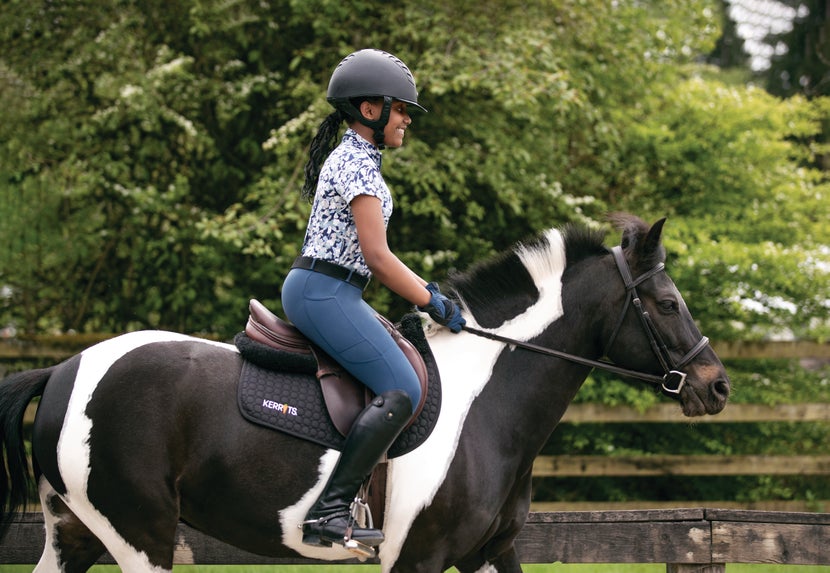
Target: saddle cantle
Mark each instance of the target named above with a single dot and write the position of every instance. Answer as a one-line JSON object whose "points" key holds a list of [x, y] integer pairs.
{"points": [[345, 397]]}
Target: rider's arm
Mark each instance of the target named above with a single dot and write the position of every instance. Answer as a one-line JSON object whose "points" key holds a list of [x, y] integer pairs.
{"points": [[383, 263]]}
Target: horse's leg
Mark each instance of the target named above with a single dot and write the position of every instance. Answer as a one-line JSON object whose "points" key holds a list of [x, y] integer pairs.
{"points": [[70, 546], [137, 525], [80, 533], [507, 562]]}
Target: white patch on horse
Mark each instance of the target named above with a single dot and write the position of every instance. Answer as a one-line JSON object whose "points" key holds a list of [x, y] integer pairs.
{"points": [[73, 453], [49, 558], [466, 364], [545, 265]]}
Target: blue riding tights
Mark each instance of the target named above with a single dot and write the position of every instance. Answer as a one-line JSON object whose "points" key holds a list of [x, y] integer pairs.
{"points": [[333, 314]]}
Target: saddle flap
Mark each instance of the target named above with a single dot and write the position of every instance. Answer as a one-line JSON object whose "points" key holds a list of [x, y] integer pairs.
{"points": [[344, 396]]}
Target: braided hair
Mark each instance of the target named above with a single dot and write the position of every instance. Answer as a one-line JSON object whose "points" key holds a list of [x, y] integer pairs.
{"points": [[326, 140], [321, 146]]}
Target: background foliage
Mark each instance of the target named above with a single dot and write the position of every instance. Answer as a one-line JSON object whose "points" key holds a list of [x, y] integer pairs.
{"points": [[152, 152], [151, 157]]}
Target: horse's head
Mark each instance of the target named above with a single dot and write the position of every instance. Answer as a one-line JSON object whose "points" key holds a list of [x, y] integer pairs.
{"points": [[655, 332], [565, 292]]}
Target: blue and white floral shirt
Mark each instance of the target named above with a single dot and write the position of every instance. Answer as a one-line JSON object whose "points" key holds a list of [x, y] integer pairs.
{"points": [[352, 169]]}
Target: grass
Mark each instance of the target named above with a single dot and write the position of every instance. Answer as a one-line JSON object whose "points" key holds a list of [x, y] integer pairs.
{"points": [[536, 568]]}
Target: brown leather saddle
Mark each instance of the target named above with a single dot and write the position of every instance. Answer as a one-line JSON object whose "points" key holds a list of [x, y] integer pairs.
{"points": [[345, 397]]}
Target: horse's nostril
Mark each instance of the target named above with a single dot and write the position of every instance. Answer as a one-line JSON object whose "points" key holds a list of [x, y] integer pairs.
{"points": [[721, 389]]}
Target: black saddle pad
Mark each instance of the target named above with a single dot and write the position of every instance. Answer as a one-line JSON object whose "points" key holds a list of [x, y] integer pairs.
{"points": [[290, 399]]}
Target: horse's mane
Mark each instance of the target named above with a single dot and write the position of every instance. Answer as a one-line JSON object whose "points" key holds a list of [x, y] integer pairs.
{"points": [[582, 242], [503, 276]]}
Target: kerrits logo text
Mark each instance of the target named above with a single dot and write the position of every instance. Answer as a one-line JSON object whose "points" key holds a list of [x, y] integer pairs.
{"points": [[281, 408]]}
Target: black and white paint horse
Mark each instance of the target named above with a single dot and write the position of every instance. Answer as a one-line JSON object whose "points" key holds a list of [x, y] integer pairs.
{"points": [[141, 431]]}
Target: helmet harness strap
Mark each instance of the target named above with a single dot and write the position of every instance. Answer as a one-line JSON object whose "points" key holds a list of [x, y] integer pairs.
{"points": [[378, 125]]}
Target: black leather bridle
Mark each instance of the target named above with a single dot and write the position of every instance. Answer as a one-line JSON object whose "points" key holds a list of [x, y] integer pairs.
{"points": [[673, 378]]}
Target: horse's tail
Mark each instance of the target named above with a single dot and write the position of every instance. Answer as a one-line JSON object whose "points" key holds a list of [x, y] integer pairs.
{"points": [[17, 481]]}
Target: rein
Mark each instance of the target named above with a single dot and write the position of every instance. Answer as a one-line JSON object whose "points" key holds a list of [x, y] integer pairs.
{"points": [[673, 378], [604, 365]]}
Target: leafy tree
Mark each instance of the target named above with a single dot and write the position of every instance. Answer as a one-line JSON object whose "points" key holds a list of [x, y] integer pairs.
{"points": [[127, 124], [731, 168], [153, 153]]}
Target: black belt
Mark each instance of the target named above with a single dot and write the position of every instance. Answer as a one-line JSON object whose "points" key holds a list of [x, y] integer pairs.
{"points": [[332, 270]]}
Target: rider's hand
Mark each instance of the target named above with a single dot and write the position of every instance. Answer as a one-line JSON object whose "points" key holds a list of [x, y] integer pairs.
{"points": [[442, 310]]}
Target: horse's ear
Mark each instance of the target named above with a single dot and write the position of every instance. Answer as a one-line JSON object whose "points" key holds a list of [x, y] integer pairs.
{"points": [[652, 240], [636, 235], [630, 227]]}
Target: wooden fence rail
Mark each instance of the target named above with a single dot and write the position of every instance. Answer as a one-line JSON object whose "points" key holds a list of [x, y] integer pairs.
{"points": [[697, 465], [669, 412], [687, 540], [679, 465]]}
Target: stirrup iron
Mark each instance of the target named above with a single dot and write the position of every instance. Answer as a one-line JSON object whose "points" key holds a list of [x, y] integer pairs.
{"points": [[359, 550], [360, 513]]}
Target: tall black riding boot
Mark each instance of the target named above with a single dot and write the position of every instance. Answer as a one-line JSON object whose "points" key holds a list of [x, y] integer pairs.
{"points": [[375, 429]]}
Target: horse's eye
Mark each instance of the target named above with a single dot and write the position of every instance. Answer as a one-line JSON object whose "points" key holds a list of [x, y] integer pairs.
{"points": [[668, 306]]}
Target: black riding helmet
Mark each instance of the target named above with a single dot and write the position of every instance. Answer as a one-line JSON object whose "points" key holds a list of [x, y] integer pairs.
{"points": [[372, 74]]}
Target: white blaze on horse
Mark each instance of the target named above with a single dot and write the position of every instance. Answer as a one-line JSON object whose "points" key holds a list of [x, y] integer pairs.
{"points": [[142, 431]]}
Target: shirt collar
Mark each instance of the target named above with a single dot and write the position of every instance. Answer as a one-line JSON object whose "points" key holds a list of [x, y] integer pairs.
{"points": [[353, 138]]}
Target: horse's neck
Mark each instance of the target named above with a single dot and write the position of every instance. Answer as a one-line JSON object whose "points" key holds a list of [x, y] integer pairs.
{"points": [[523, 393], [540, 388]]}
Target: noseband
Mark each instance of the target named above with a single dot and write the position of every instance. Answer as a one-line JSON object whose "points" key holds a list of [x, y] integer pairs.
{"points": [[673, 378]]}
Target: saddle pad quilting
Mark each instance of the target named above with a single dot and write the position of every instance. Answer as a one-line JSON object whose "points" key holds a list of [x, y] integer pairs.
{"points": [[292, 402], [287, 401]]}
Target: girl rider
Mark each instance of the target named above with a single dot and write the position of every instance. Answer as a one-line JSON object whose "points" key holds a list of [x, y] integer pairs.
{"points": [[345, 244]]}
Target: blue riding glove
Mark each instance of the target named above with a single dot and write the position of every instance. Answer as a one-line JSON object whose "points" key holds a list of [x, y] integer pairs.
{"points": [[442, 310]]}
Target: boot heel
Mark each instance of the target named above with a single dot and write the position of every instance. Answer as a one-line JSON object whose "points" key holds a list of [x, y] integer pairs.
{"points": [[314, 539]]}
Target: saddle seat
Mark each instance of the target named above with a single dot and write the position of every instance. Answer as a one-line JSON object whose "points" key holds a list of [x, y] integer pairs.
{"points": [[344, 395]]}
